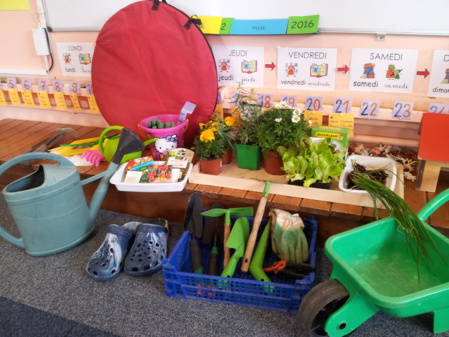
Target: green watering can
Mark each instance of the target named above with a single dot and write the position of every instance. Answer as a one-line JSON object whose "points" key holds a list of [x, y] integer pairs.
{"points": [[108, 150], [48, 205]]}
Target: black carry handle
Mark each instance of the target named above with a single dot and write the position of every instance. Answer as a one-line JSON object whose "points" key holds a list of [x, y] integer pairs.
{"points": [[156, 4]]}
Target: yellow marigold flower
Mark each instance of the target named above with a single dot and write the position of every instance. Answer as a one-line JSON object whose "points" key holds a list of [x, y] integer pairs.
{"points": [[230, 121], [207, 135]]}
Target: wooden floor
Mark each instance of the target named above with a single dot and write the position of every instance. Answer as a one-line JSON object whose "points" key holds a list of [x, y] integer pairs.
{"points": [[19, 136]]}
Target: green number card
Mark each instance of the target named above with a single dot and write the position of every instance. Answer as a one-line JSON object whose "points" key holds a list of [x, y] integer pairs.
{"points": [[226, 24], [303, 24]]}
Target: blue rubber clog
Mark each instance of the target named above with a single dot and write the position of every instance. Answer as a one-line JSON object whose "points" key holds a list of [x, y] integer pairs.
{"points": [[107, 262], [148, 250]]}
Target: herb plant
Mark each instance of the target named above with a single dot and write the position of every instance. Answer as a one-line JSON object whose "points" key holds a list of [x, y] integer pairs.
{"points": [[281, 126], [413, 228], [245, 116]]}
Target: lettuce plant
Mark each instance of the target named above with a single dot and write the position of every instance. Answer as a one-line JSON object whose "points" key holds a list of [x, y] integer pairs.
{"points": [[312, 161]]}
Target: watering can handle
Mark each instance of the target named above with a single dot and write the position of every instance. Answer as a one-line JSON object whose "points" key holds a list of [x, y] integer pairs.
{"points": [[25, 157], [64, 162], [104, 133]]}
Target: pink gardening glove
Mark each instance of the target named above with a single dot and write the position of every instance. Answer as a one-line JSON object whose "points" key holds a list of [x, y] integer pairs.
{"points": [[94, 157]]}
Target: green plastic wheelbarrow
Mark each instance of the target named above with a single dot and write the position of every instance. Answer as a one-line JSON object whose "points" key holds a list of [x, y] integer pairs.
{"points": [[374, 269]]}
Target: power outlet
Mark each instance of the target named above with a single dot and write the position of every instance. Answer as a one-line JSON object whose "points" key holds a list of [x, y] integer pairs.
{"points": [[381, 37], [41, 42]]}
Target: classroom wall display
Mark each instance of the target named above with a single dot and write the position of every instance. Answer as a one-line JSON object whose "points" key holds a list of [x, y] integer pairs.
{"points": [[346, 16], [244, 65], [306, 68], [75, 59], [383, 70], [14, 5], [439, 76]]}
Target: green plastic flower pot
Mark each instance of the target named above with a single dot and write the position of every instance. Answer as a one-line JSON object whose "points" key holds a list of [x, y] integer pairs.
{"points": [[248, 156]]}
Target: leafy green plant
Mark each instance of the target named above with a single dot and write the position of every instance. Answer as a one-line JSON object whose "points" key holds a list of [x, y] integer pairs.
{"points": [[281, 125], [312, 162], [245, 116]]}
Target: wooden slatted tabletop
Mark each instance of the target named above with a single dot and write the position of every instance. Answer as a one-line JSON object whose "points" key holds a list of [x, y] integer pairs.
{"points": [[19, 136]]}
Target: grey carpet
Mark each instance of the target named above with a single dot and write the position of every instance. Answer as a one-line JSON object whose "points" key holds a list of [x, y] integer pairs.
{"points": [[53, 296]]}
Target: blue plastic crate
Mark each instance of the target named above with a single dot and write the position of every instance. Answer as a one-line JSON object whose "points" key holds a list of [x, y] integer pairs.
{"points": [[281, 294]]}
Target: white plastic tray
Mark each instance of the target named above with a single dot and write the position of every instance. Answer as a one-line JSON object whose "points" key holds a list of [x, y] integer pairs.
{"points": [[371, 163], [118, 177]]}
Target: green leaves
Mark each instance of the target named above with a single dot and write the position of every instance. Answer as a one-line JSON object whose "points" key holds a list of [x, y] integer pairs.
{"points": [[276, 127], [312, 162]]}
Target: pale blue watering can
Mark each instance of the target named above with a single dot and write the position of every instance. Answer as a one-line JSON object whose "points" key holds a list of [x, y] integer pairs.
{"points": [[48, 205]]}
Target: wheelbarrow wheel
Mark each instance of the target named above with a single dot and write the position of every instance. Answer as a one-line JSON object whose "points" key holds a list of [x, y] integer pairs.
{"points": [[319, 304]]}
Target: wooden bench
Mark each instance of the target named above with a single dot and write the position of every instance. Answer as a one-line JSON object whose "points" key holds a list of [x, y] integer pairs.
{"points": [[19, 136]]}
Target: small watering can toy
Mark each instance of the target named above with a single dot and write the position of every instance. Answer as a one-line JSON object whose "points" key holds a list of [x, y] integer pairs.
{"points": [[108, 148], [48, 205]]}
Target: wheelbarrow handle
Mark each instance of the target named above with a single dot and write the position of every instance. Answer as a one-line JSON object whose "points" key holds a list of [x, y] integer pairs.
{"points": [[433, 205]]}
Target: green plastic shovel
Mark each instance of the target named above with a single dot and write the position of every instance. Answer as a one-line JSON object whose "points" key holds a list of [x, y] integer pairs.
{"points": [[217, 212], [237, 240]]}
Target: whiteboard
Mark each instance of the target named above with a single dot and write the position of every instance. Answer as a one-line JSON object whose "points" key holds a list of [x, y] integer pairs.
{"points": [[416, 17]]}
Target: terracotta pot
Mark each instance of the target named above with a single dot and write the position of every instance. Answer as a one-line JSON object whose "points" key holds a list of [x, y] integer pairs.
{"points": [[212, 166], [227, 157], [273, 163]]}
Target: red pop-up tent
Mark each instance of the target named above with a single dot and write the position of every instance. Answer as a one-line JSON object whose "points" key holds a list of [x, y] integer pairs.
{"points": [[149, 59]]}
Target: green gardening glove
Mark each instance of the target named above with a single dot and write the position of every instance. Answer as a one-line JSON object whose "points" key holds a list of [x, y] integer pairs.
{"points": [[287, 236]]}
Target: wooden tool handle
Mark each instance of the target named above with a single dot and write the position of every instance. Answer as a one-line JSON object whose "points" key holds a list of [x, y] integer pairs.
{"points": [[227, 250], [253, 236]]}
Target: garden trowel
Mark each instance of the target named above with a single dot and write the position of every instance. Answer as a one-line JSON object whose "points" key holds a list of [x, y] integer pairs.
{"points": [[193, 222], [237, 240], [218, 212], [213, 226]]}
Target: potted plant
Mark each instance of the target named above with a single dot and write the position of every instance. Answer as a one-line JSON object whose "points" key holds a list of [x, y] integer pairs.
{"points": [[312, 162], [245, 138], [280, 126], [226, 130], [210, 145]]}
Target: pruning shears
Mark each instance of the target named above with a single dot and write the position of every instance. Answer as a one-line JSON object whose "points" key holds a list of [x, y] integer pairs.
{"points": [[289, 268]]}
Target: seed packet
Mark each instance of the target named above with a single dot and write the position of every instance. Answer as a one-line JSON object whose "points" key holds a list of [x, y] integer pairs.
{"points": [[180, 158], [139, 164], [156, 174]]}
